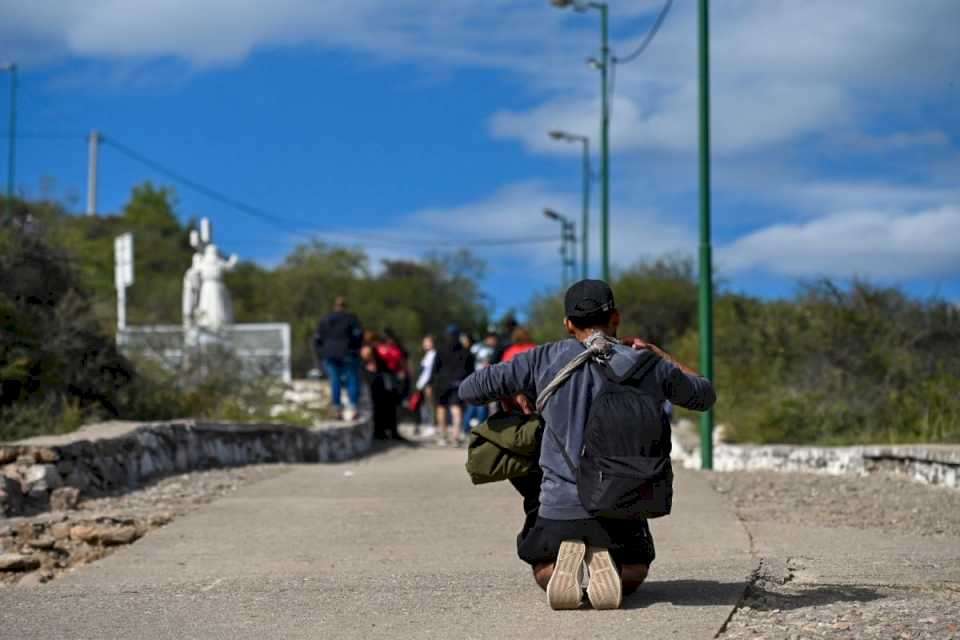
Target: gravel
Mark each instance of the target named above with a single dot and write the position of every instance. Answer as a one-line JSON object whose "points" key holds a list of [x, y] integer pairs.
{"points": [[38, 548], [845, 612], [775, 607], [881, 501]]}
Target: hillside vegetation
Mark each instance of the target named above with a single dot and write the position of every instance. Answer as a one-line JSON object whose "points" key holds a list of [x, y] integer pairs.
{"points": [[59, 365], [832, 365]]}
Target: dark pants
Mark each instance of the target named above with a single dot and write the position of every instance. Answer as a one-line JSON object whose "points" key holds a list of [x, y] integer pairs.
{"points": [[629, 541], [383, 396]]}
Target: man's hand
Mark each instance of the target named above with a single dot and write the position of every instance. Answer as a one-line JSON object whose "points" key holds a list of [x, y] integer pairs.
{"points": [[520, 403], [526, 406], [640, 343]]}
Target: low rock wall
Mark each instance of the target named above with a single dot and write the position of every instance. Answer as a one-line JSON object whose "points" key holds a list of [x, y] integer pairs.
{"points": [[46, 472], [932, 464]]}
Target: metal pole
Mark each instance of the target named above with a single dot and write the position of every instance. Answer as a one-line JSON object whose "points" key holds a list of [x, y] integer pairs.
{"points": [[11, 158], [121, 309], [706, 267], [563, 254], [585, 223], [604, 143], [92, 174]]}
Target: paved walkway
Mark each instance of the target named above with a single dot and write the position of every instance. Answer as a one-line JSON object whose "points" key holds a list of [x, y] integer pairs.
{"points": [[397, 545]]}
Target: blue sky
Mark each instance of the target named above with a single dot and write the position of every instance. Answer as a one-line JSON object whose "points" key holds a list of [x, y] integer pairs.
{"points": [[409, 124]]}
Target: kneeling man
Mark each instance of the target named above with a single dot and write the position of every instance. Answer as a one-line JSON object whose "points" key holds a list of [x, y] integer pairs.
{"points": [[559, 538]]}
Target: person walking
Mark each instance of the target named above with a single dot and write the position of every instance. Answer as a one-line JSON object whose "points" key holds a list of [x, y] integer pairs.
{"points": [[560, 539], [337, 343], [483, 353], [453, 364], [384, 389], [520, 342], [422, 401]]}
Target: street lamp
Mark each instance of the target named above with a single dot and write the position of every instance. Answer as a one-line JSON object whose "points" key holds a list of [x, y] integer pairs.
{"points": [[603, 64], [12, 68], [568, 234], [585, 191]]}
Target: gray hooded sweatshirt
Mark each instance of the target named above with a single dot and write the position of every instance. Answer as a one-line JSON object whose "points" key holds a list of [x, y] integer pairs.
{"points": [[566, 412]]}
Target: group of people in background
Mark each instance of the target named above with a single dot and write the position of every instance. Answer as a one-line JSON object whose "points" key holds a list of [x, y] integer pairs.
{"points": [[445, 365], [351, 356]]}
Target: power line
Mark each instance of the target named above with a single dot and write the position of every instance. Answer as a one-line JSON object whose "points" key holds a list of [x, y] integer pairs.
{"points": [[213, 194], [45, 135], [646, 41], [292, 224]]}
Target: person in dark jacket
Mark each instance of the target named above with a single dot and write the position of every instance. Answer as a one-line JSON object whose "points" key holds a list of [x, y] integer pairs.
{"points": [[559, 538], [452, 365], [336, 344]]}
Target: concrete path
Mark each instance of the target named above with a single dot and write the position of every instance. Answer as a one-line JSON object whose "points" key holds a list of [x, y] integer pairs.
{"points": [[397, 545]]}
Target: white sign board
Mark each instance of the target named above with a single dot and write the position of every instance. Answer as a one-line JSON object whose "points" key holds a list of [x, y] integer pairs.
{"points": [[123, 253]]}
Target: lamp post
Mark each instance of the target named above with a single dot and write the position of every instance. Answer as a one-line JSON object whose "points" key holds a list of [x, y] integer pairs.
{"points": [[706, 267], [11, 158], [568, 235], [585, 192], [604, 64]]}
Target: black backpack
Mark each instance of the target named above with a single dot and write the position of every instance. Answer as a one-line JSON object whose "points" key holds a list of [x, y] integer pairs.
{"points": [[625, 471]]}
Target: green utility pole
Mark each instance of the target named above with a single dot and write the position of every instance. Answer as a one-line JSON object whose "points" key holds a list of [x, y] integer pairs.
{"points": [[585, 221], [11, 158], [604, 142], [706, 268], [571, 228]]}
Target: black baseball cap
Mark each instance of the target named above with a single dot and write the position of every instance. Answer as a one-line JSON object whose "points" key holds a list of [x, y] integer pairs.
{"points": [[588, 298]]}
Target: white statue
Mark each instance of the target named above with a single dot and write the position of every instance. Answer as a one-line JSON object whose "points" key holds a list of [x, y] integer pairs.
{"points": [[214, 309], [206, 301], [191, 292]]}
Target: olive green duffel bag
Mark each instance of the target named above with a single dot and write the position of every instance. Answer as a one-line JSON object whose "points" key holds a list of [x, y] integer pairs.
{"points": [[506, 446]]}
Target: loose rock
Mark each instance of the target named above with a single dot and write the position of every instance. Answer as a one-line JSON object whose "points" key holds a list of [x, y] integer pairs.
{"points": [[61, 540], [64, 498], [11, 496], [18, 562]]}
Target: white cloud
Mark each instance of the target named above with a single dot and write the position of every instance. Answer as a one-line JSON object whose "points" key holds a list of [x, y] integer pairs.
{"points": [[516, 211], [745, 119], [878, 244], [781, 69]]}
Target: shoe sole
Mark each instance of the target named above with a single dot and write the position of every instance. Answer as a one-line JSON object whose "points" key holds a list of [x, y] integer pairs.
{"points": [[563, 590], [605, 590]]}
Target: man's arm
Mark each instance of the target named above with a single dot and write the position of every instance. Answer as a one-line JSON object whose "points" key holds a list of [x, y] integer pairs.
{"points": [[681, 384], [320, 335], [355, 338], [504, 380]]}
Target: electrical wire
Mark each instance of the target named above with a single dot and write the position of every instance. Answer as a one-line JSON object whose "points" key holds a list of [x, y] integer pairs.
{"points": [[636, 52], [44, 135], [293, 224], [650, 35]]}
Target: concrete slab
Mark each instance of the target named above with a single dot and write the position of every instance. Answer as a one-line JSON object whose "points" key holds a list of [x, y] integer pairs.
{"points": [[399, 544]]}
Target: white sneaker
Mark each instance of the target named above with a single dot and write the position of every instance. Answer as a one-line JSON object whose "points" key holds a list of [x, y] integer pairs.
{"points": [[563, 590], [605, 590]]}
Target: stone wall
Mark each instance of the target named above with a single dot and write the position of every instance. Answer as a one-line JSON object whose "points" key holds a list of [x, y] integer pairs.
{"points": [[930, 464], [38, 473]]}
